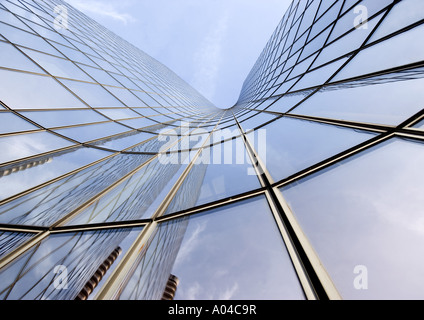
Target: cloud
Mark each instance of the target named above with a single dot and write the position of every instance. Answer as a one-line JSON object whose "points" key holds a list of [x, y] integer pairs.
{"points": [[208, 57], [229, 292], [103, 8], [190, 244]]}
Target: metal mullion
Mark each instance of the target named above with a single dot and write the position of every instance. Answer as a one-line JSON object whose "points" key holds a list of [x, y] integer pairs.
{"points": [[124, 270], [312, 289], [212, 205], [101, 226], [301, 273], [21, 228], [344, 123]]}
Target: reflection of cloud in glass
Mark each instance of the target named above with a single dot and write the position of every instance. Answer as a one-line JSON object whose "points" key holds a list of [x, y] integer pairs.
{"points": [[235, 253], [360, 212]]}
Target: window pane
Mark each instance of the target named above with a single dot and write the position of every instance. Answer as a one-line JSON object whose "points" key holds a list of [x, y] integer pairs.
{"points": [[39, 92], [235, 253], [288, 146], [26, 145], [92, 132], [52, 119], [32, 276], [367, 211], [13, 123], [220, 172], [385, 103], [11, 240], [47, 205], [22, 176], [131, 199], [10, 57]]}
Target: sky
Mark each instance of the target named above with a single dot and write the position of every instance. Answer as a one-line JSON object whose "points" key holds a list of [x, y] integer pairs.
{"points": [[212, 44]]}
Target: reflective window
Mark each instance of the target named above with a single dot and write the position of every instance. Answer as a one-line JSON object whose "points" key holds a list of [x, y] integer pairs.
{"points": [[39, 92], [26, 145], [27, 174], [47, 205], [288, 146], [13, 123], [222, 256], [36, 274], [11, 240], [94, 95], [57, 66], [92, 132], [221, 171], [53, 118], [382, 103], [10, 57], [364, 215]]}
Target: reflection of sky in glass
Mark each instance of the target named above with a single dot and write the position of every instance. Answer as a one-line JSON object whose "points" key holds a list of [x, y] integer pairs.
{"points": [[368, 211], [235, 252]]}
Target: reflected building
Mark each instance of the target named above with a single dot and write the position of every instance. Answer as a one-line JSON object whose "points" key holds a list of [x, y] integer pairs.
{"points": [[116, 175]]}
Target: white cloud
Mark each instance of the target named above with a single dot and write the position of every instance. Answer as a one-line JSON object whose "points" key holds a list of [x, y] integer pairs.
{"points": [[103, 8], [190, 244], [208, 57], [229, 292]]}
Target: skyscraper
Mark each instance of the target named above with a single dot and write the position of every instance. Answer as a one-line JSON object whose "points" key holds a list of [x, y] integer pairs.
{"points": [[309, 187]]}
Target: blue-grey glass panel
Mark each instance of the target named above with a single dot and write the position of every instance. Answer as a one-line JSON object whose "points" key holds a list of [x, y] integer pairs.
{"points": [[57, 66], [137, 123], [9, 18], [47, 205], [348, 43], [125, 141], [403, 14], [384, 103], [397, 51], [26, 39], [288, 146], [256, 121], [38, 93], [13, 123], [286, 102], [10, 57], [220, 172], [363, 217], [235, 253], [127, 97], [11, 240], [36, 274], [117, 114], [93, 94], [319, 76], [26, 145], [131, 199], [92, 132], [52, 119], [22, 176]]}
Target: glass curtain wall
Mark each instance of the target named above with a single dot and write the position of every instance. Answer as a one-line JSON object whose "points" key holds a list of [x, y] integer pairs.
{"points": [[308, 187]]}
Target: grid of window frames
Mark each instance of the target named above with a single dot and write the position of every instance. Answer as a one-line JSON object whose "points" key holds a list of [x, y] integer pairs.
{"points": [[103, 147]]}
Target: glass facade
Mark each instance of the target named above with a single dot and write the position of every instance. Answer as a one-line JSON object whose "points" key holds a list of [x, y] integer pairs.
{"points": [[308, 187]]}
